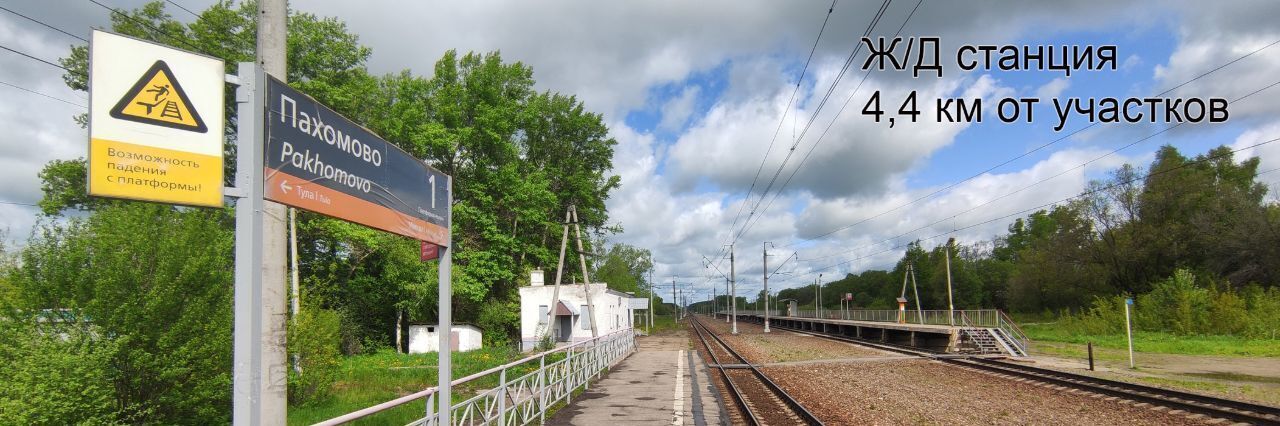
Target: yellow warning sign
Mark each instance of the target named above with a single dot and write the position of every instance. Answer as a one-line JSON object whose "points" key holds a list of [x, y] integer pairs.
{"points": [[158, 99]]}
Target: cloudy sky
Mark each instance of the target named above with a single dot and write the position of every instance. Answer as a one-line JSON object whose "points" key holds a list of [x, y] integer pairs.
{"points": [[709, 100]]}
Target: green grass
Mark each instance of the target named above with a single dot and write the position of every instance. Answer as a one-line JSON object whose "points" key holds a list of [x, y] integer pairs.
{"points": [[662, 323], [366, 380], [1152, 342]]}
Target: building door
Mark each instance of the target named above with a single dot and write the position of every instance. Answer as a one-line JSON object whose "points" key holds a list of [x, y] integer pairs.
{"points": [[566, 327]]}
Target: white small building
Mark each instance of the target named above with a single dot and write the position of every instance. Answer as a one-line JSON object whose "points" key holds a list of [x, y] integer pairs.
{"points": [[424, 338], [572, 317]]}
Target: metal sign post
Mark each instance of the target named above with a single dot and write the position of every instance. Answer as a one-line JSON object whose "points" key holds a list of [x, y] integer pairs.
{"points": [[1128, 328], [445, 309]]}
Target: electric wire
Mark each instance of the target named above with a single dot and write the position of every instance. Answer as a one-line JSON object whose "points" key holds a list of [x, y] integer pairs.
{"points": [[1006, 195], [44, 24], [785, 112], [184, 9], [1032, 151], [42, 94], [815, 144], [1042, 206], [817, 110]]}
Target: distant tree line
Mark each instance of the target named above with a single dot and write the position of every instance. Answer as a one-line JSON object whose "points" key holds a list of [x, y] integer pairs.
{"points": [[1202, 223]]}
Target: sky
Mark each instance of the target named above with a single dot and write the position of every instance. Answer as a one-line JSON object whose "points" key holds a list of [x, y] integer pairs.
{"points": [[706, 100]]}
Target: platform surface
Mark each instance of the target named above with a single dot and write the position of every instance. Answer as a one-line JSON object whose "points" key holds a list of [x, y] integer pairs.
{"points": [[663, 382]]}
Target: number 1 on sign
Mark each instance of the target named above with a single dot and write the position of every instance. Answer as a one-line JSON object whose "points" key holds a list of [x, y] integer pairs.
{"points": [[432, 181]]}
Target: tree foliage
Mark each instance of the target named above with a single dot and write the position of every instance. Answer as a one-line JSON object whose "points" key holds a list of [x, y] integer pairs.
{"points": [[519, 159]]}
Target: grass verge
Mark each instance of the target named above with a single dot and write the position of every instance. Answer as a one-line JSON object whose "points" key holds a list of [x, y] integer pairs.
{"points": [[1151, 342]]}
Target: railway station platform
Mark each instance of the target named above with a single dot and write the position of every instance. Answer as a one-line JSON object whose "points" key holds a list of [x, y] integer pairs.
{"points": [[664, 382], [988, 331]]}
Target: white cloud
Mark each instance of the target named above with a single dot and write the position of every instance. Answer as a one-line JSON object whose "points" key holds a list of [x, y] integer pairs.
{"points": [[1053, 89], [678, 110]]}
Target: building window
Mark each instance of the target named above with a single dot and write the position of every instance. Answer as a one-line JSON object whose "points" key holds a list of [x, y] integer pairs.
{"points": [[586, 317], [542, 314], [431, 329]]}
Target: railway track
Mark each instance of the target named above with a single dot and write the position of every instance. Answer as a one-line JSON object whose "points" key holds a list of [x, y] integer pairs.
{"points": [[760, 400], [1214, 407]]}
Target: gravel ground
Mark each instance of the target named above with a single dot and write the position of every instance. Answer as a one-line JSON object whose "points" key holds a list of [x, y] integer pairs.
{"points": [[781, 346], [917, 391], [927, 392]]}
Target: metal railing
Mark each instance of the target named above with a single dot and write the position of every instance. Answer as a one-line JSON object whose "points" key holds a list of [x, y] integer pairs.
{"points": [[523, 399], [986, 318]]}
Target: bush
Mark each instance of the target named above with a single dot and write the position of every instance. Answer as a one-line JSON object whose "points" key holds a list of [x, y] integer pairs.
{"points": [[499, 320], [1179, 306], [55, 376], [313, 351], [1176, 305]]}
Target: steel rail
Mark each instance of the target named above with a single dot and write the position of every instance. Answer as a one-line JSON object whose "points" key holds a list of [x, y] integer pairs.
{"points": [[733, 388], [1234, 410], [800, 411], [1239, 411]]}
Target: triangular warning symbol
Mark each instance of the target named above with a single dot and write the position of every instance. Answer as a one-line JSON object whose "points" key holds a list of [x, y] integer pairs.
{"points": [[158, 99]]}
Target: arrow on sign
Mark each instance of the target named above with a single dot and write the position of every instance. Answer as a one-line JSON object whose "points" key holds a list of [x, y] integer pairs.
{"points": [[284, 186]]}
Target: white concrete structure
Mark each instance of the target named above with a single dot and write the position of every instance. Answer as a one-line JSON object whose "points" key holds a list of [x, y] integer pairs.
{"points": [[423, 338], [572, 321]]}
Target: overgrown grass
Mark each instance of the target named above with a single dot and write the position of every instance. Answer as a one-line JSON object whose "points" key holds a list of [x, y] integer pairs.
{"points": [[663, 323], [366, 380], [1156, 342]]}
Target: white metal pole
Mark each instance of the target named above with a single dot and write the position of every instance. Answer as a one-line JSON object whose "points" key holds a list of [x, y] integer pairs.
{"points": [[733, 290], [444, 308], [247, 343], [1128, 329], [765, 268]]}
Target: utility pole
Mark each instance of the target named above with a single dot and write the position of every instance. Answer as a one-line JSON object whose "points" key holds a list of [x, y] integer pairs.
{"points": [[675, 303], [713, 301], [586, 278], [259, 372], [649, 328], [726, 303], [817, 304], [765, 268], [915, 290], [555, 292], [733, 290], [951, 307]]}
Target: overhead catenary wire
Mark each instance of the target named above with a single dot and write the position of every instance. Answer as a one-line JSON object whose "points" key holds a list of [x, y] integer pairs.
{"points": [[785, 112], [184, 9], [33, 57], [855, 91], [1019, 190], [44, 24], [1032, 151], [1042, 206], [153, 28], [42, 94], [817, 110]]}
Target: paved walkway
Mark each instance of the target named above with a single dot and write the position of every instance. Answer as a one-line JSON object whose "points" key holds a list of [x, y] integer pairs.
{"points": [[663, 382]]}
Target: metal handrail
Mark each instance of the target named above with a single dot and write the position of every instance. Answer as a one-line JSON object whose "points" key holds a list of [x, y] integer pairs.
{"points": [[976, 317], [590, 357]]}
